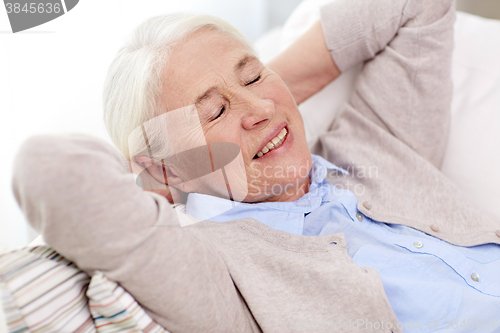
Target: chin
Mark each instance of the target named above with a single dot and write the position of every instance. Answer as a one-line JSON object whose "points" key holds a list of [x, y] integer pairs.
{"points": [[285, 181]]}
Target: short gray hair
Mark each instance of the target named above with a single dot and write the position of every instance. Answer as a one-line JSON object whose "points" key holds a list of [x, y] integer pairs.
{"points": [[133, 85]]}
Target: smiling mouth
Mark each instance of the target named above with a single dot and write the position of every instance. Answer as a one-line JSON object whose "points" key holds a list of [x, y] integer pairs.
{"points": [[273, 143]]}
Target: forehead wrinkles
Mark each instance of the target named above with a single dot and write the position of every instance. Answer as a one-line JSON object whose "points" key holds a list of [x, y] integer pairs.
{"points": [[221, 90], [204, 60], [216, 82]]}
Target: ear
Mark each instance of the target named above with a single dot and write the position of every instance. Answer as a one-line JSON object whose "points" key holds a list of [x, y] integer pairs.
{"points": [[154, 169], [167, 174], [155, 177], [159, 171]]}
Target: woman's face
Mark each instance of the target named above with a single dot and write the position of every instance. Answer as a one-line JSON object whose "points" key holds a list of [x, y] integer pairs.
{"points": [[241, 101]]}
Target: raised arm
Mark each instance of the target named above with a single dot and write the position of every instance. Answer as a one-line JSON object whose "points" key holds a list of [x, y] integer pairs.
{"points": [[349, 32], [306, 66], [79, 193], [405, 85]]}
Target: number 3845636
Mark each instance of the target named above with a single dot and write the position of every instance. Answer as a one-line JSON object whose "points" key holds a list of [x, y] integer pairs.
{"points": [[32, 8]]}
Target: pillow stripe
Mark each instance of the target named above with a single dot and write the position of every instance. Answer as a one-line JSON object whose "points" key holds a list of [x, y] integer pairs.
{"points": [[87, 327], [115, 310], [31, 267], [43, 292], [76, 298], [13, 316], [64, 309], [42, 288]]}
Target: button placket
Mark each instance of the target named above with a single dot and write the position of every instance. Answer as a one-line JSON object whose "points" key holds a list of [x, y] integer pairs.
{"points": [[469, 271]]}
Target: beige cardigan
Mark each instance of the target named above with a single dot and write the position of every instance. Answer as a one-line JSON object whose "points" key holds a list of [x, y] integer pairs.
{"points": [[243, 276]]}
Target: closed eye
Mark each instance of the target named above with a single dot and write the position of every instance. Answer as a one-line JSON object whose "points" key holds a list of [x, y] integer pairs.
{"points": [[220, 113], [256, 79]]}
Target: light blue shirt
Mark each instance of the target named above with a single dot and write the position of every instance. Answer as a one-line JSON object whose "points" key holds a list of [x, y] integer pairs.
{"points": [[429, 283]]}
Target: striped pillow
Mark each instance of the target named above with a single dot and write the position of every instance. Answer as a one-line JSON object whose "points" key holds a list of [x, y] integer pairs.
{"points": [[42, 292], [115, 310]]}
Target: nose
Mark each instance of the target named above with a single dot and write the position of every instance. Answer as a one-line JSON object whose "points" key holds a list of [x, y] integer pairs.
{"points": [[258, 113]]}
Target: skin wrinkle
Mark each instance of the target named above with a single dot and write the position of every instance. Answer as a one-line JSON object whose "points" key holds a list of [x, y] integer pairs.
{"points": [[238, 68], [215, 70]]}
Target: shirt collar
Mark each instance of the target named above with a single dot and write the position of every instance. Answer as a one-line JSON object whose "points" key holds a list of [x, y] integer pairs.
{"points": [[207, 207], [319, 169]]}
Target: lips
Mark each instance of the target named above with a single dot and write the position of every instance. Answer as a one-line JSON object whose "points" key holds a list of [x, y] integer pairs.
{"points": [[274, 143]]}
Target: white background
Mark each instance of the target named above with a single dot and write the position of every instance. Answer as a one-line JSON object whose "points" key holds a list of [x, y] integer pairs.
{"points": [[51, 76]]}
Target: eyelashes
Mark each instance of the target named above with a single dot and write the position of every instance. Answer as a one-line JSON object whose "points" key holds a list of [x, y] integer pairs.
{"points": [[223, 108], [220, 112], [253, 81]]}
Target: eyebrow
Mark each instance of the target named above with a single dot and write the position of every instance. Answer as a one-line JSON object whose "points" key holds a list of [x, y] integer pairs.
{"points": [[238, 67], [245, 60]]}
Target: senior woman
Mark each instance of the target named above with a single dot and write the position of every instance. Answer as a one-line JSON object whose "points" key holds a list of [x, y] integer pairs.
{"points": [[408, 247]]}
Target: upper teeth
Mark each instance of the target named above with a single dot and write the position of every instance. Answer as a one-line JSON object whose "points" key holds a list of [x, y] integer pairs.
{"points": [[274, 143]]}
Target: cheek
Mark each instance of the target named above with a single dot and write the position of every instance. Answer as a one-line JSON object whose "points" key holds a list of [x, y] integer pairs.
{"points": [[284, 103], [225, 131], [278, 92], [228, 130]]}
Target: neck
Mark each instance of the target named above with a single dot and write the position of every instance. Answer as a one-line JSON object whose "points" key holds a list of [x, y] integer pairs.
{"points": [[292, 192]]}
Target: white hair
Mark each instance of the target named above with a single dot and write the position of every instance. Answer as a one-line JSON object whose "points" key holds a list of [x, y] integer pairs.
{"points": [[134, 83]]}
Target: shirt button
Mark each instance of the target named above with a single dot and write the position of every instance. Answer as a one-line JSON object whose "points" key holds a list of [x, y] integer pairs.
{"points": [[359, 217], [497, 233], [434, 228], [418, 244], [474, 277], [367, 205]]}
